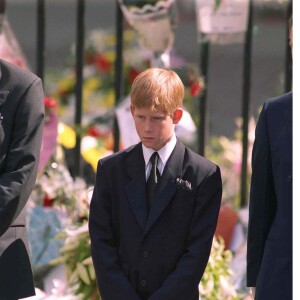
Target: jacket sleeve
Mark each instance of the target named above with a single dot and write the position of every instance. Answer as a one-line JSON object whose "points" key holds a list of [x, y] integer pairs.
{"points": [[111, 279], [18, 178], [183, 282], [262, 199]]}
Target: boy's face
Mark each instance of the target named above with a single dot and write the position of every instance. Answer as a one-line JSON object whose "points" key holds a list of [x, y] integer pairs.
{"points": [[155, 128]]}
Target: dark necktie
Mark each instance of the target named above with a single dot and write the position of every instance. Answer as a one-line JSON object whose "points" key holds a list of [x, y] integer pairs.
{"points": [[153, 178]]}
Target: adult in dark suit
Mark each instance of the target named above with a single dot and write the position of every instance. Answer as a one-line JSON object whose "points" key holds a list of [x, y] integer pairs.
{"points": [[269, 247], [21, 124], [269, 256], [155, 248]]}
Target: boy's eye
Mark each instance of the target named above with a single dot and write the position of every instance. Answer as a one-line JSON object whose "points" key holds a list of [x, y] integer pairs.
{"points": [[159, 118]]}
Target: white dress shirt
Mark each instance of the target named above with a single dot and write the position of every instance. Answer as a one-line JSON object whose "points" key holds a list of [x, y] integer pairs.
{"points": [[164, 153]]}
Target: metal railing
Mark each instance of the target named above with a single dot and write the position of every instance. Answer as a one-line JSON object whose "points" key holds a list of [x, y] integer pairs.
{"points": [[118, 84]]}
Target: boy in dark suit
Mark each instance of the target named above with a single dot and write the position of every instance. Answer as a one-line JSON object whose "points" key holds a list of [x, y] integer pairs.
{"points": [[21, 127], [155, 205]]}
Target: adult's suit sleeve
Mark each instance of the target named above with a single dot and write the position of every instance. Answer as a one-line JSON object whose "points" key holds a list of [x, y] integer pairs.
{"points": [[183, 282], [262, 198], [111, 279], [18, 179]]}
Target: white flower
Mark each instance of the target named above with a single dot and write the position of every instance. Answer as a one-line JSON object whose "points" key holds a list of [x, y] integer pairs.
{"points": [[207, 289], [226, 288]]}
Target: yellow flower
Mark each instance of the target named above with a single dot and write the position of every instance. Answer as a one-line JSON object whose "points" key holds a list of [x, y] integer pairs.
{"points": [[109, 99], [129, 35], [66, 84], [110, 56], [66, 136], [92, 83], [111, 40], [92, 155]]}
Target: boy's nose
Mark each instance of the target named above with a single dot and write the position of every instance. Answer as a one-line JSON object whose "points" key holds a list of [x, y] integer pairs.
{"points": [[148, 126]]}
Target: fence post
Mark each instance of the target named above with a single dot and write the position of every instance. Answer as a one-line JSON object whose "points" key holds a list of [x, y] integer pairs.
{"points": [[2, 13], [40, 56], [245, 106], [202, 132], [2, 6], [79, 82], [118, 72]]}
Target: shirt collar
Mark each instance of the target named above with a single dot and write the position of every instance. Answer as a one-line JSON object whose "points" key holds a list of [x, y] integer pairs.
{"points": [[164, 152]]}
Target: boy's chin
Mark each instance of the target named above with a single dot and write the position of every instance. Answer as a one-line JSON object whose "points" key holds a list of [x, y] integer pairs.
{"points": [[148, 145], [152, 145]]}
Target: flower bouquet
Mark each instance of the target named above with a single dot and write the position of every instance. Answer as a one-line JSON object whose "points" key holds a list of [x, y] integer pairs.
{"points": [[57, 201], [55, 188], [154, 23], [216, 281], [79, 269]]}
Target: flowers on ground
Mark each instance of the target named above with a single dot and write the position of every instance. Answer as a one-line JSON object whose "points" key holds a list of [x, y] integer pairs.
{"points": [[56, 188], [227, 153], [216, 281], [79, 269]]}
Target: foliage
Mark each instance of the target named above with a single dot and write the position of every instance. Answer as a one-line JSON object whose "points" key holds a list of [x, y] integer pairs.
{"points": [[215, 283], [217, 4]]}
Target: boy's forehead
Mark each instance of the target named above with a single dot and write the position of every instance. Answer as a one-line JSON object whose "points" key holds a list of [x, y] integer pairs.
{"points": [[149, 111]]}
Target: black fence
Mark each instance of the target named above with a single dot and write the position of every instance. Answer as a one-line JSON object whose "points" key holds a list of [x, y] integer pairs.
{"points": [[118, 86]]}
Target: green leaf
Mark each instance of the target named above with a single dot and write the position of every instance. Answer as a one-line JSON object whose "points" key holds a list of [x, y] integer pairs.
{"points": [[217, 4]]}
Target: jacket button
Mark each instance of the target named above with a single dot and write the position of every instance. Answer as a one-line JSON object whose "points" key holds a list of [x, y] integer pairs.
{"points": [[289, 178], [146, 254], [143, 283]]}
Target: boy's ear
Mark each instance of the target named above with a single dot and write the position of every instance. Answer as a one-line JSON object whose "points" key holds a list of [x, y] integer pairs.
{"points": [[177, 115]]}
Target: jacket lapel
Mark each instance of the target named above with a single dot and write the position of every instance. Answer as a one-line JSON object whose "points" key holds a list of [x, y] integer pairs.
{"points": [[166, 187], [136, 188], [3, 93], [3, 96]]}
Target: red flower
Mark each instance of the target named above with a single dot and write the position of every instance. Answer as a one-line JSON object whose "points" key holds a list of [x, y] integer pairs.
{"points": [[92, 131], [102, 63], [97, 132], [48, 202], [195, 89], [50, 102], [133, 73]]}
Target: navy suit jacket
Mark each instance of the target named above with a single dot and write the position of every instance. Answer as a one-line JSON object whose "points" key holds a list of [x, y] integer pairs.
{"points": [[21, 126], [160, 256], [269, 256]]}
